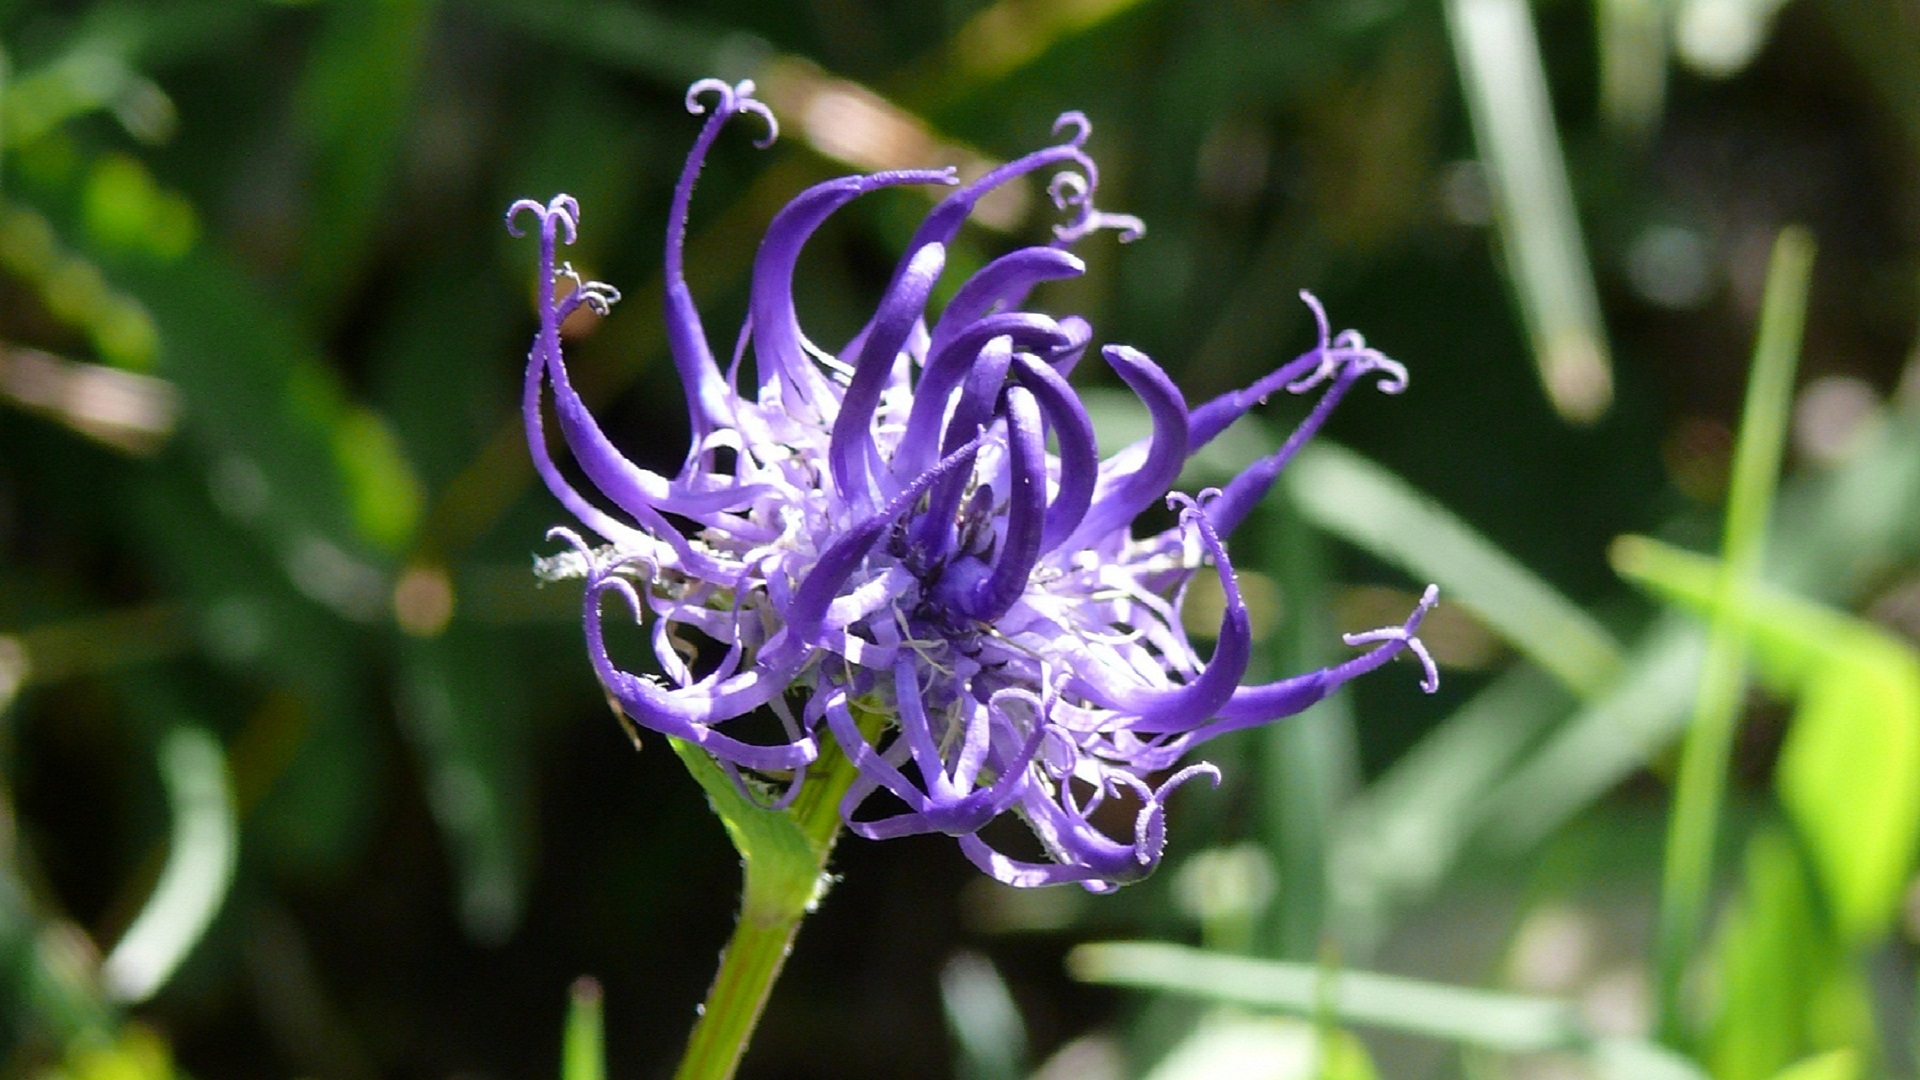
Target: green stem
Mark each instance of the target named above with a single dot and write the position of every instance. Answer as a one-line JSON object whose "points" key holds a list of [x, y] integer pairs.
{"points": [[784, 859], [748, 968], [1701, 786]]}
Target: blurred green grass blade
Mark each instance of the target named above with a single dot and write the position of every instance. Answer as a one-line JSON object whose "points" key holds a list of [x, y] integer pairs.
{"points": [[1770, 956], [1364, 504], [1498, 55], [1227, 1043], [672, 49], [463, 706], [351, 112], [1842, 1064], [1604, 741], [583, 1054], [983, 1020], [1502, 1022], [1399, 838], [1850, 770], [1509, 1023], [1769, 402], [1835, 532], [1310, 765], [203, 850], [1633, 65], [1701, 784]]}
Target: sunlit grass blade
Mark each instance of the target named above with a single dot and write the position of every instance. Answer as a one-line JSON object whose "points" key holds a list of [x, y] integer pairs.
{"points": [[1506, 87], [983, 1020], [583, 1054], [1598, 746], [1400, 838], [1501, 1022], [203, 850], [1310, 765], [1351, 497], [1701, 784], [1633, 64]]}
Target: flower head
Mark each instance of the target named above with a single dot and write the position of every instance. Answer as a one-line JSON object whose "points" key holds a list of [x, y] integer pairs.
{"points": [[880, 532]]}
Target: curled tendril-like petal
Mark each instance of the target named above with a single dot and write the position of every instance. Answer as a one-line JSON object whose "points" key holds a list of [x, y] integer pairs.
{"points": [[1067, 189], [598, 296], [722, 92], [561, 211], [1077, 120], [759, 109], [1126, 227], [1407, 634], [1072, 190], [1347, 348], [1149, 828], [730, 100]]}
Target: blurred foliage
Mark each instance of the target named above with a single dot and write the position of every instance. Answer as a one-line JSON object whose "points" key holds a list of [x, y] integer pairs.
{"points": [[284, 713]]}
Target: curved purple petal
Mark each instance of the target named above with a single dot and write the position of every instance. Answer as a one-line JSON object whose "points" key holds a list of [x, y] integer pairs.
{"points": [[1166, 454], [1079, 457], [948, 368], [852, 443], [1008, 276], [780, 347], [1161, 709], [1026, 507]]}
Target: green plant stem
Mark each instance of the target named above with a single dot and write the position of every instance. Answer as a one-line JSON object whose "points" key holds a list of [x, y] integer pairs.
{"points": [[1687, 880], [784, 863], [753, 959]]}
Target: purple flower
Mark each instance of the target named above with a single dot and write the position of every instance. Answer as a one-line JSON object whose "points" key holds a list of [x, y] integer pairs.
{"points": [[882, 531]]}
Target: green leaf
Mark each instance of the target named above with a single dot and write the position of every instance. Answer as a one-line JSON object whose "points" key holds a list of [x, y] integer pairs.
{"points": [[1772, 952], [777, 852], [1850, 776], [1850, 771], [1705, 753]]}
